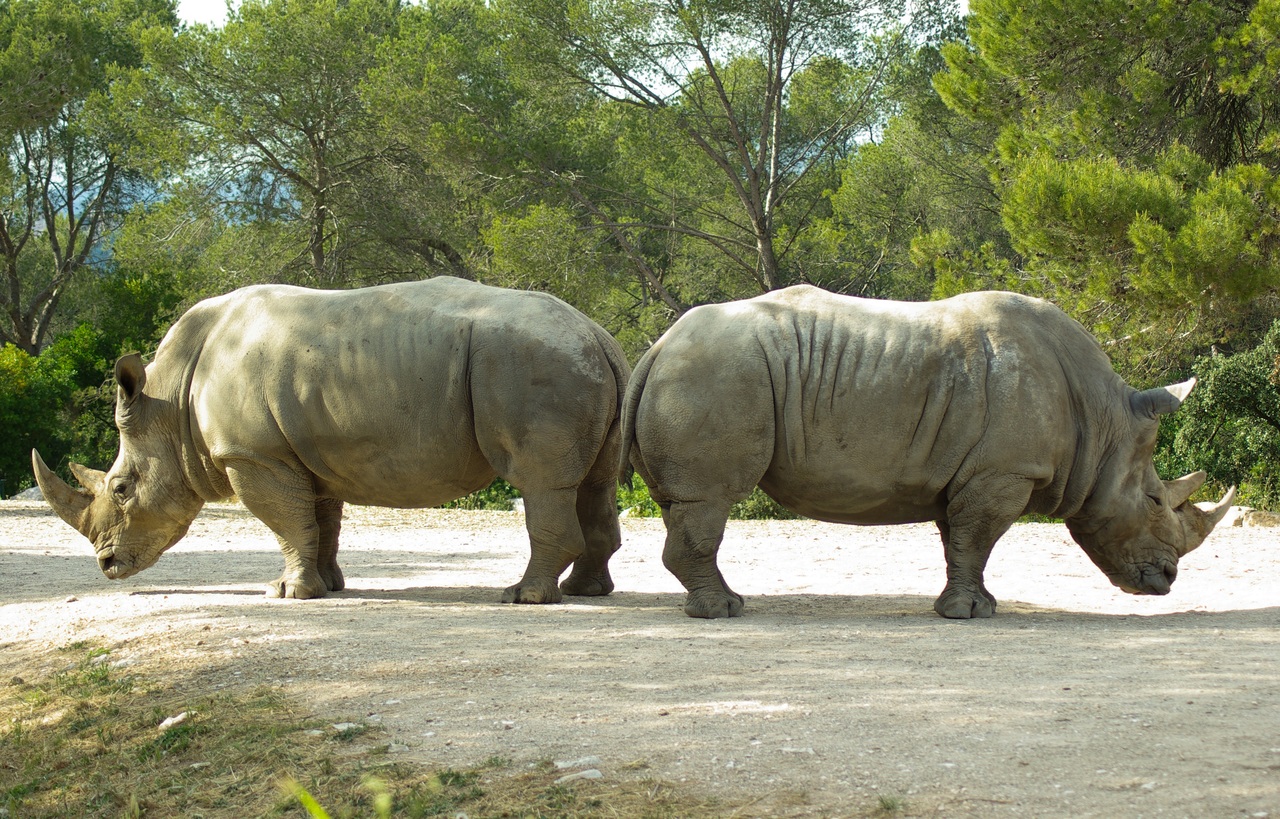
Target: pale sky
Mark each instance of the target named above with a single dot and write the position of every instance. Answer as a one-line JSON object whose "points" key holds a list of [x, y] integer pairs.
{"points": [[209, 12]]}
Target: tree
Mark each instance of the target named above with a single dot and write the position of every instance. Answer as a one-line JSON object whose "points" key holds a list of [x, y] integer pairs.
{"points": [[914, 199], [71, 169], [281, 138], [767, 97], [1135, 162]]}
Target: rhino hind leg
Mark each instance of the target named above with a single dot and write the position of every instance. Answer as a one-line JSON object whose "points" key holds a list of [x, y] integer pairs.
{"points": [[597, 510], [555, 541], [329, 519], [694, 532]]}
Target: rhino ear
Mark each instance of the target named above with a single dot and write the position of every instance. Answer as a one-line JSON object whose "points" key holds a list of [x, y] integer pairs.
{"points": [[131, 377], [1153, 403]]}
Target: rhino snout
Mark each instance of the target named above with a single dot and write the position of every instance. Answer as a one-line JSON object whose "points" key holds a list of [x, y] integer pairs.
{"points": [[1150, 578], [107, 561]]}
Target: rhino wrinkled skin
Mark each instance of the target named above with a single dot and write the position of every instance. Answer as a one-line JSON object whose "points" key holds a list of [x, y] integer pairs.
{"points": [[969, 412], [405, 395]]}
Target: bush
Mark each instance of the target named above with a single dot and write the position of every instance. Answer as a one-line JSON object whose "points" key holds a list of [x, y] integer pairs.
{"points": [[1230, 425], [52, 403]]}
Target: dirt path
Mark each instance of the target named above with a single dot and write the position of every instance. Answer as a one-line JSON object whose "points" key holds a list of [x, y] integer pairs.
{"points": [[839, 686]]}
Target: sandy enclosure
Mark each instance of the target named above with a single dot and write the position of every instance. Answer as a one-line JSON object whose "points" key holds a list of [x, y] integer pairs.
{"points": [[838, 686]]}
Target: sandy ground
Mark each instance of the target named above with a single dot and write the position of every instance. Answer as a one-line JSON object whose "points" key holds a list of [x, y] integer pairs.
{"points": [[838, 686]]}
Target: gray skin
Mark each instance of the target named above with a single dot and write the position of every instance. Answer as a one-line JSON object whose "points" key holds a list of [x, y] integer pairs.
{"points": [[970, 412], [405, 395]]}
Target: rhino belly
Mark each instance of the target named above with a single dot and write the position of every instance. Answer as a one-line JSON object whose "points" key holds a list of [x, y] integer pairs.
{"points": [[840, 500]]}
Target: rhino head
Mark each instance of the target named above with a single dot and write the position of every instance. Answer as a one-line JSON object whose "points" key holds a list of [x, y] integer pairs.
{"points": [[141, 506], [1135, 526]]}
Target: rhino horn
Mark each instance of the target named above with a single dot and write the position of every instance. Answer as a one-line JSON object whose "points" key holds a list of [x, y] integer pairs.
{"points": [[1161, 400], [1179, 490], [1204, 517], [70, 504]]}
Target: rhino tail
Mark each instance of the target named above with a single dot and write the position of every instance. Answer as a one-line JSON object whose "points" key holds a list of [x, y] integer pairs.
{"points": [[635, 389]]}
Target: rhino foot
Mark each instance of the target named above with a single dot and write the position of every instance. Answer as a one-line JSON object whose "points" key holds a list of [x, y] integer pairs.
{"points": [[532, 591], [713, 603], [961, 604], [305, 587], [332, 577], [587, 585]]}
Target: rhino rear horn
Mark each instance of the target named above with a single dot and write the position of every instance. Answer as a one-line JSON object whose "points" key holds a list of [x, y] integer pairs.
{"points": [[70, 504], [1160, 401], [1179, 490], [1206, 516]]}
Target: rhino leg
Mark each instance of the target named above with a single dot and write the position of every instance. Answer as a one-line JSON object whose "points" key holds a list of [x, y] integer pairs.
{"points": [[598, 518], [555, 540], [694, 532], [976, 518], [329, 518], [283, 499]]}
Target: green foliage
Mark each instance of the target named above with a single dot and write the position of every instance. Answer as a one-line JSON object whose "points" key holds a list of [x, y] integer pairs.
{"points": [[497, 496], [1133, 159], [1230, 424], [44, 402], [759, 506]]}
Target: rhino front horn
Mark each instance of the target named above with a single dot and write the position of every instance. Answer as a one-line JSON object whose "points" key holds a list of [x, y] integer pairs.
{"points": [[72, 505], [1206, 516]]}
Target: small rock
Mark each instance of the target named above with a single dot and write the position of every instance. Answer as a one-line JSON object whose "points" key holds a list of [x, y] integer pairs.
{"points": [[315, 732], [787, 749], [346, 726], [17, 681], [590, 773], [396, 748], [195, 766], [392, 702], [585, 762], [123, 663], [507, 725], [71, 599]]}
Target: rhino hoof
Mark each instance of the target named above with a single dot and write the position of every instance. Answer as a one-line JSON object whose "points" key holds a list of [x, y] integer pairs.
{"points": [[963, 605], [536, 591], [333, 579], [712, 605], [286, 586], [587, 585]]}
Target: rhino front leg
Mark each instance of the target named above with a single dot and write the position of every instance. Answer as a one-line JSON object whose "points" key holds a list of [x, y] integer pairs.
{"points": [[555, 541], [283, 499], [976, 518], [598, 518], [329, 519], [694, 532]]}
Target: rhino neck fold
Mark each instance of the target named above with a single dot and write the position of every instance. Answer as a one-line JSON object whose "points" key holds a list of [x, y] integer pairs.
{"points": [[191, 454]]}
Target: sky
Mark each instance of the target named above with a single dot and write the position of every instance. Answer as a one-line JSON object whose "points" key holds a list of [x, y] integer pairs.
{"points": [[210, 12], [214, 12]]}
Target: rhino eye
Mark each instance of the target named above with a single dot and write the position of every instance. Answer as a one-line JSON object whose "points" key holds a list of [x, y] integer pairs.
{"points": [[1156, 499], [121, 490]]}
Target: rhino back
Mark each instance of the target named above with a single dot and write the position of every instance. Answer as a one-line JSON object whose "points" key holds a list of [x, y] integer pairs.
{"points": [[389, 395]]}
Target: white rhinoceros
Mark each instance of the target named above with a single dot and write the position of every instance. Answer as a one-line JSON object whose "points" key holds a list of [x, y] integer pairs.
{"points": [[405, 395], [969, 412]]}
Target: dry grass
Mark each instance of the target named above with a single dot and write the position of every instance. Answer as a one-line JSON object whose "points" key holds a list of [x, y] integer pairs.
{"points": [[91, 740]]}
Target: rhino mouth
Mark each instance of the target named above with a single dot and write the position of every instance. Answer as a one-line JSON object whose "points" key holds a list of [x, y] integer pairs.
{"points": [[111, 566], [1150, 578]]}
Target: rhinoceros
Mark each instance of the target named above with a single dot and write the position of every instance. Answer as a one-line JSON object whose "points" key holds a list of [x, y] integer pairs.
{"points": [[970, 412], [404, 395]]}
